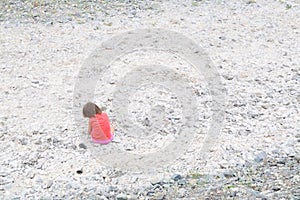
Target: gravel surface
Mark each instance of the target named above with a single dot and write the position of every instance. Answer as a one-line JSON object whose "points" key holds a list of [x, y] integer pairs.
{"points": [[255, 45]]}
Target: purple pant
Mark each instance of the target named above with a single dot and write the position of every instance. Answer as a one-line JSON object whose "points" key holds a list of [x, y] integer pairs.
{"points": [[103, 141]]}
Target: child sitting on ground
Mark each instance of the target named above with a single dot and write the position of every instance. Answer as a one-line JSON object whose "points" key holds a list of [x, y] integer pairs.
{"points": [[99, 126]]}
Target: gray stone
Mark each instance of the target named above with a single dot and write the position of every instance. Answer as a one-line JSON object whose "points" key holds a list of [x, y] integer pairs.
{"points": [[182, 193], [3, 174], [275, 151], [228, 77], [150, 193], [297, 157], [290, 151], [176, 177], [38, 180], [38, 142], [159, 196], [30, 174], [233, 194], [6, 180], [121, 196], [298, 98], [229, 174], [146, 121], [181, 182], [35, 81], [102, 197], [112, 189], [133, 12], [48, 184], [55, 140], [83, 146], [157, 187], [260, 157], [24, 141], [281, 161], [276, 188]]}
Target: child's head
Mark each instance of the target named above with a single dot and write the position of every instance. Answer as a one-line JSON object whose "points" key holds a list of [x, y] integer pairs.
{"points": [[90, 110]]}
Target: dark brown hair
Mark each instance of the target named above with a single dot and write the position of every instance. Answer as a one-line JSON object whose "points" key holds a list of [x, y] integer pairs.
{"points": [[90, 110]]}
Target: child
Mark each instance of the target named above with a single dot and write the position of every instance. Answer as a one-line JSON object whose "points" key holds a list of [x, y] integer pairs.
{"points": [[99, 125]]}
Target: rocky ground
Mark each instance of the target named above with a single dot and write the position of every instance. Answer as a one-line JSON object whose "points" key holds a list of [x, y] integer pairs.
{"points": [[255, 46]]}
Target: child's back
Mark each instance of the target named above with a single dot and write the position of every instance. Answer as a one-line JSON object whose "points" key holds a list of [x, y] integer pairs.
{"points": [[99, 125]]}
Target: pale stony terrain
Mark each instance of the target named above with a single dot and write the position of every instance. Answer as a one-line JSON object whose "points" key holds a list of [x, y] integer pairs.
{"points": [[254, 45]]}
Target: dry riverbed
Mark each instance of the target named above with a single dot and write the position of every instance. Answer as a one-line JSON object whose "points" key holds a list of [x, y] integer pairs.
{"points": [[254, 45]]}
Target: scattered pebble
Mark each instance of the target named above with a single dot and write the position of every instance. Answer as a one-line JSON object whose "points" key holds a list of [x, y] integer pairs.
{"points": [[261, 156], [256, 156], [121, 196], [297, 157], [83, 146]]}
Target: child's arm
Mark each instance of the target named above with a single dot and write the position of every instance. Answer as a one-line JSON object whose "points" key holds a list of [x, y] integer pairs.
{"points": [[90, 128], [112, 129]]}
